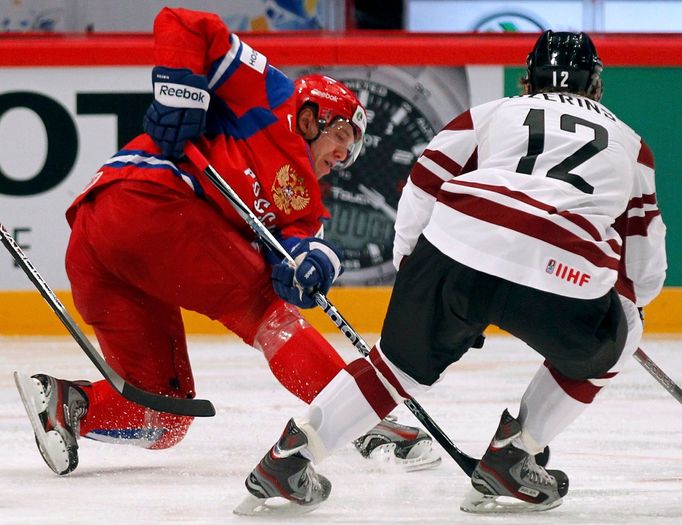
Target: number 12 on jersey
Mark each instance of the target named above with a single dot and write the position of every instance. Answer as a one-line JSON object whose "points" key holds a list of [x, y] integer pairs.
{"points": [[535, 120]]}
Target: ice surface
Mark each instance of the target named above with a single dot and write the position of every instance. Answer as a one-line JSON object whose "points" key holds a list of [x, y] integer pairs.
{"points": [[623, 455]]}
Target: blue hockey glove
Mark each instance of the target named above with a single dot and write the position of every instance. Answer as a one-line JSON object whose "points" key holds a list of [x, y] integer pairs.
{"points": [[318, 264], [178, 112]]}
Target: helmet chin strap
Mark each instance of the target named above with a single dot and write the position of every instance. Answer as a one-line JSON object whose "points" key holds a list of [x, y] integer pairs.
{"points": [[321, 124], [320, 128]]}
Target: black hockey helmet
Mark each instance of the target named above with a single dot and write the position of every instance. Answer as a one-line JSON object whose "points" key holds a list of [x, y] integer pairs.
{"points": [[564, 61]]}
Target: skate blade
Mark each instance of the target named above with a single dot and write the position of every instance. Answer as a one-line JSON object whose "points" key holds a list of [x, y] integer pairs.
{"points": [[50, 444], [271, 507], [421, 456], [478, 503]]}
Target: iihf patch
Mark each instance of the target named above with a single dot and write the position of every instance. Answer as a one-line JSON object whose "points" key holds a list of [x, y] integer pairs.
{"points": [[567, 273], [550, 266]]}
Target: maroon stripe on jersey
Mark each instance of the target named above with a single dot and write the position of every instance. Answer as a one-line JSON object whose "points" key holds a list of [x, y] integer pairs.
{"points": [[571, 217], [425, 179], [528, 224], [639, 202], [625, 287], [460, 122], [443, 161], [640, 225], [580, 390], [645, 156], [371, 387], [472, 162], [381, 365], [614, 244]]}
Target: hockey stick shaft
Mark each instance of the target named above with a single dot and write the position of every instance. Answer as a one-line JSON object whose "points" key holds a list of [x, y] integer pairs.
{"points": [[172, 405], [466, 463], [658, 374]]}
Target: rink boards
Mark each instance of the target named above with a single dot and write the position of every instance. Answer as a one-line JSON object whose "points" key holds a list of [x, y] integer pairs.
{"points": [[25, 313]]}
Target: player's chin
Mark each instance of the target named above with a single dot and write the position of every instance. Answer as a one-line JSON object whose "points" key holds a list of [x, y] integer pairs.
{"points": [[322, 168]]}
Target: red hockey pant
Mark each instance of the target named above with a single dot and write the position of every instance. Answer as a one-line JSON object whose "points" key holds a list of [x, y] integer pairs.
{"points": [[138, 253]]}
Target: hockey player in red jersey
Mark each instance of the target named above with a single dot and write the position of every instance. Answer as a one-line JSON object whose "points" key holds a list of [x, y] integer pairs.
{"points": [[535, 213], [151, 235]]}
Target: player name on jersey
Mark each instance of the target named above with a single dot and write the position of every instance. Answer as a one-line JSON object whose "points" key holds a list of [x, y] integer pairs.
{"points": [[573, 100]]}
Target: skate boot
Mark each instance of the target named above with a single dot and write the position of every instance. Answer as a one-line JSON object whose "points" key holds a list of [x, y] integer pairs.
{"points": [[285, 473], [508, 479], [55, 408], [390, 442]]}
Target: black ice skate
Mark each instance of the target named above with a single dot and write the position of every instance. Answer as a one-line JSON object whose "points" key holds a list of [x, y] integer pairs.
{"points": [[507, 479], [284, 473], [55, 408], [391, 442]]}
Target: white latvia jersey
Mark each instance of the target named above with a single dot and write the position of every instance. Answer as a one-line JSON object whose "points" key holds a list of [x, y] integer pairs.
{"points": [[528, 188]]}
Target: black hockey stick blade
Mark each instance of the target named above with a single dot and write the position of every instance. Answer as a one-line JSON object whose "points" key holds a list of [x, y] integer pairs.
{"points": [[658, 374], [172, 405], [161, 403]]}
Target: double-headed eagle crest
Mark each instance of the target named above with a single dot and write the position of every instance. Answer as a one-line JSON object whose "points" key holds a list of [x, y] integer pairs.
{"points": [[289, 191]]}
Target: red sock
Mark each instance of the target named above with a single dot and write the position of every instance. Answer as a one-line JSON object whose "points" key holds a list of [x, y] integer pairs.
{"points": [[305, 363], [112, 418]]}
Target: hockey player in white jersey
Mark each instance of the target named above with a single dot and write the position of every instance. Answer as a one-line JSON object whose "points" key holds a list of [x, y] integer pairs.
{"points": [[535, 213]]}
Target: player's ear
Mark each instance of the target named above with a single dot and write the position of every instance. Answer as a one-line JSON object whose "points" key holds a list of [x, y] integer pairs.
{"points": [[307, 123]]}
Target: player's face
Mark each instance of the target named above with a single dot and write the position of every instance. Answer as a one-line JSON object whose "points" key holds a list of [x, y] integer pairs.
{"points": [[331, 147]]}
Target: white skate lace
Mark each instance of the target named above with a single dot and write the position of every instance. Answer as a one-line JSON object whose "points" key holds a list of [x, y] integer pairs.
{"points": [[77, 414], [310, 483], [536, 474], [74, 411]]}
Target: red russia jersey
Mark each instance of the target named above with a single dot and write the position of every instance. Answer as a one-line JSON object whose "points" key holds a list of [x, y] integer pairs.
{"points": [[251, 137], [545, 191]]}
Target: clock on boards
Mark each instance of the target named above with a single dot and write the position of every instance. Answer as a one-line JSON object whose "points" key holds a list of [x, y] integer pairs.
{"points": [[406, 107]]}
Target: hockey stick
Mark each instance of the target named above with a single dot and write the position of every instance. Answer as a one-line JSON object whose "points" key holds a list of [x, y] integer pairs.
{"points": [[466, 463], [658, 374], [172, 405]]}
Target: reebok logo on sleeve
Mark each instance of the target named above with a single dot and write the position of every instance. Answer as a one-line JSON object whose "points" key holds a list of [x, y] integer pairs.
{"points": [[181, 96]]}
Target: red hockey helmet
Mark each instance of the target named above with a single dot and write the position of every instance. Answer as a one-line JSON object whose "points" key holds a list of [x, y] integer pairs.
{"points": [[333, 101]]}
